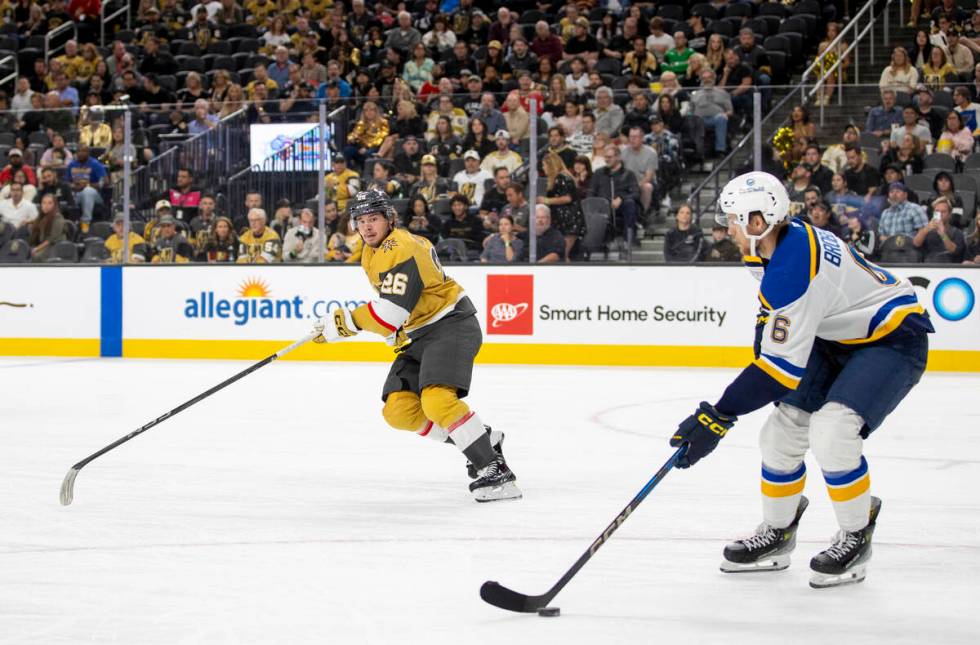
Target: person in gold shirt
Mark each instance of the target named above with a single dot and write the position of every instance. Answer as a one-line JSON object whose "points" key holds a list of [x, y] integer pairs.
{"points": [[425, 315], [368, 134], [259, 244], [70, 60], [114, 244], [341, 181]]}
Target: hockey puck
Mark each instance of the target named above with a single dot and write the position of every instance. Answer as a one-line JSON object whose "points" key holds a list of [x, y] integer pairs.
{"points": [[549, 611]]}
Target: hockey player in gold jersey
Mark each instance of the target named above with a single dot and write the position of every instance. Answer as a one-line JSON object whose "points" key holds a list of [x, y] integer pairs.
{"points": [[431, 323]]}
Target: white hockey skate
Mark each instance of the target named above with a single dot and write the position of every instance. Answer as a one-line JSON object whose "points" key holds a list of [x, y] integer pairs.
{"points": [[845, 562], [495, 482], [768, 550]]}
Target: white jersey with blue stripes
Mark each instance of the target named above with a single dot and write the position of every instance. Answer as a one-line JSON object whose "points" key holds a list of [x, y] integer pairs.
{"points": [[815, 286]]}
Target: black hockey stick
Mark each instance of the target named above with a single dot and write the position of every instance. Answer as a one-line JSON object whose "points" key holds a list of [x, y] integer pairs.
{"points": [[68, 486], [500, 596]]}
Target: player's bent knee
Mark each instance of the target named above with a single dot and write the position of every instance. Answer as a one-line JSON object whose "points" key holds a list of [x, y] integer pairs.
{"points": [[403, 411], [441, 405], [835, 437], [783, 440]]}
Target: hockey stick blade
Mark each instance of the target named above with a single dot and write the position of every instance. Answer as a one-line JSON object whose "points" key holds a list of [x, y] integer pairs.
{"points": [[500, 596], [68, 487]]}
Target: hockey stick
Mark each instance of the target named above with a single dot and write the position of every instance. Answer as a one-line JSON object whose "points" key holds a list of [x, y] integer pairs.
{"points": [[68, 486], [500, 596]]}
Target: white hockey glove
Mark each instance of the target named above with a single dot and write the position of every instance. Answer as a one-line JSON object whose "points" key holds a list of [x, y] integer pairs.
{"points": [[335, 327]]}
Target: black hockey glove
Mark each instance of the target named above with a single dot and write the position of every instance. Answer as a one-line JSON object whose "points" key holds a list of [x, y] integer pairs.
{"points": [[701, 432], [760, 326]]}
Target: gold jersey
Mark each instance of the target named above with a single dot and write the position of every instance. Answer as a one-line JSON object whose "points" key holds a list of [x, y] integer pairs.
{"points": [[261, 249], [412, 289]]}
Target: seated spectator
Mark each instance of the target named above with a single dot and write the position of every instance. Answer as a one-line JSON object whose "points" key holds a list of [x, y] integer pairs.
{"points": [[571, 119], [491, 116], [8, 118], [943, 186], [860, 237], [303, 242], [95, 133], [884, 117], [608, 116], [583, 141], [471, 179], [221, 244], [890, 174], [430, 185], [658, 41], [714, 106], [969, 110], [546, 44], [834, 156], [346, 244], [804, 132], [154, 61], [260, 76], [342, 183], [20, 177], [87, 176], [940, 241], [421, 221], [582, 44], [821, 217], [367, 135], [259, 244], [418, 70], [408, 161], [675, 59], [577, 81], [495, 198], [202, 224], [58, 155], [203, 121], [517, 206], [911, 127], [282, 218], [549, 242], [503, 246], [722, 248], [516, 117], [901, 75], [445, 146], [860, 176], [642, 63], [918, 51], [799, 182], [820, 175], [643, 162], [382, 180], [463, 225], [170, 246], [404, 37], [901, 217], [114, 243], [15, 209], [938, 71], [183, 196], [503, 156], [46, 230], [843, 201], [960, 56], [478, 138], [955, 140], [457, 117], [683, 244], [582, 172], [616, 184], [521, 57], [736, 78], [407, 122], [15, 164]]}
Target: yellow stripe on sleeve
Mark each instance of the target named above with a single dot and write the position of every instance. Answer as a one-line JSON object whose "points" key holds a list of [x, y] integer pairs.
{"points": [[780, 377], [894, 320]]}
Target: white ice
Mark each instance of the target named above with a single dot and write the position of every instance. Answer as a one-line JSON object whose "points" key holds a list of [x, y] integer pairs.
{"points": [[282, 510]]}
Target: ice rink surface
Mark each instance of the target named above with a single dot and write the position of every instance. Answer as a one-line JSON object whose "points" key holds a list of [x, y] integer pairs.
{"points": [[282, 510]]}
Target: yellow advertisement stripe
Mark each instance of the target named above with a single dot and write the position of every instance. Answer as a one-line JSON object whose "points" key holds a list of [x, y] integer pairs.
{"points": [[491, 353], [770, 489], [50, 347], [851, 491], [783, 379]]}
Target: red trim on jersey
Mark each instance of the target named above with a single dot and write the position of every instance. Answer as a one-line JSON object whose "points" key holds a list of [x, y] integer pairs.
{"points": [[460, 422], [378, 319], [424, 431]]}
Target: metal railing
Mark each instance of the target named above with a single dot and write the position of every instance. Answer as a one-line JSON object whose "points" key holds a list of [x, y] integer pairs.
{"points": [[755, 134], [8, 62], [106, 13], [57, 32]]}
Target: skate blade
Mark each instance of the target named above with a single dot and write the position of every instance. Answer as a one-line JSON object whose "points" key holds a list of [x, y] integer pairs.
{"points": [[771, 563], [508, 490], [826, 581]]}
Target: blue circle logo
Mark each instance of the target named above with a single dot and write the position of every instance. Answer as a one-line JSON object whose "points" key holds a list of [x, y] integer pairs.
{"points": [[953, 299]]}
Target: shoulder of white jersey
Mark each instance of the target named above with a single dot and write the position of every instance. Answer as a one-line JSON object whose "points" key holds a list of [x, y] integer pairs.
{"points": [[793, 266]]}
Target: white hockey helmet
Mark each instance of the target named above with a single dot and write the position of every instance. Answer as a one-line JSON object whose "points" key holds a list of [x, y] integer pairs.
{"points": [[753, 192]]}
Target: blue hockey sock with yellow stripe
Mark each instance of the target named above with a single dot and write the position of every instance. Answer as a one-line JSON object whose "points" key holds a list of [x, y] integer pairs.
{"points": [[781, 492], [851, 494]]}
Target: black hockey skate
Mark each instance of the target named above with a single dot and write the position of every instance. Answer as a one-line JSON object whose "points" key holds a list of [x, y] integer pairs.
{"points": [[496, 440], [495, 482], [768, 550], [846, 561]]}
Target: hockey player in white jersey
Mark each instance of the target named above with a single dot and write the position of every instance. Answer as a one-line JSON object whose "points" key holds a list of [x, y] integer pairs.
{"points": [[839, 343]]}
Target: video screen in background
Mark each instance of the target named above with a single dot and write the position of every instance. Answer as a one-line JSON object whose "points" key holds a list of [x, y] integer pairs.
{"points": [[292, 146]]}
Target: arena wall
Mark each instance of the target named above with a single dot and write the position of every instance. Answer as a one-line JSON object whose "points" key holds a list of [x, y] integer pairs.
{"points": [[560, 315]]}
